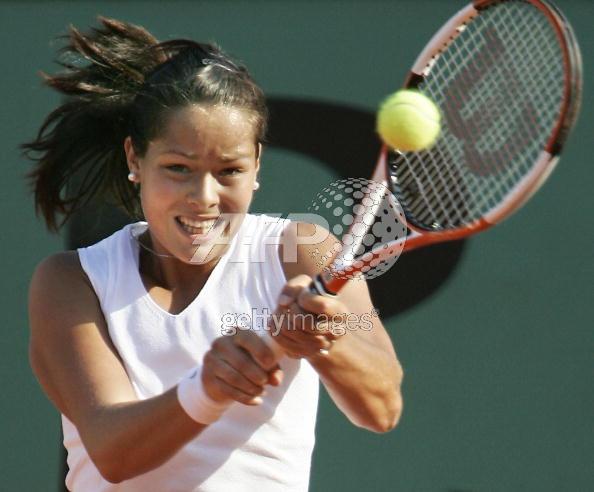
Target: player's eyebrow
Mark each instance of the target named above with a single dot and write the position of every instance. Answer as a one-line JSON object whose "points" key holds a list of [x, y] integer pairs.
{"points": [[234, 156], [179, 152], [227, 157]]}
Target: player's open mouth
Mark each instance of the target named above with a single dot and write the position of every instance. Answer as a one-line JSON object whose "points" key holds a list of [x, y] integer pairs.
{"points": [[196, 227]]}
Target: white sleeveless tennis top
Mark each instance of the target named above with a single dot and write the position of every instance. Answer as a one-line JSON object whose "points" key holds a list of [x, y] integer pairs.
{"points": [[263, 448]]}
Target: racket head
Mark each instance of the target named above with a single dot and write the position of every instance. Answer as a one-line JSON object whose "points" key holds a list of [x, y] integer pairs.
{"points": [[503, 127], [508, 100]]}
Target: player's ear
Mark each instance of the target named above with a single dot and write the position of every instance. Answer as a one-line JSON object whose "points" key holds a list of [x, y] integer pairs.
{"points": [[131, 157], [259, 150]]}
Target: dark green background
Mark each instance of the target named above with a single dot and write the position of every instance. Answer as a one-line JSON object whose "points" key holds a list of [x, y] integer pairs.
{"points": [[499, 362]]}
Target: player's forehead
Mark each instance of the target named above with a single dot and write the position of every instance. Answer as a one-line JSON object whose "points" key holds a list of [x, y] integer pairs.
{"points": [[192, 129]]}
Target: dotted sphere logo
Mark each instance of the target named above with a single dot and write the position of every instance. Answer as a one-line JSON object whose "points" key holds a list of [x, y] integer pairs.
{"points": [[367, 216]]}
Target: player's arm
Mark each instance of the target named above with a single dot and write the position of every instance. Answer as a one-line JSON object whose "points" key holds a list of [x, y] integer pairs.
{"points": [[361, 373], [79, 369]]}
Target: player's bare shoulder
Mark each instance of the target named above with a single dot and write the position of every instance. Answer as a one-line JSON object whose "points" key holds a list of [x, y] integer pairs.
{"points": [[61, 263], [60, 273], [70, 350], [60, 296]]}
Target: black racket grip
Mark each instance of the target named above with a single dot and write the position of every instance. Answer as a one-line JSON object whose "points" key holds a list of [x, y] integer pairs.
{"points": [[318, 287]]}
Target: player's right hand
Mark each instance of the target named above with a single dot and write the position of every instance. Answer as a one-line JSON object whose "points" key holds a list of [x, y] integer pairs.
{"points": [[238, 367]]}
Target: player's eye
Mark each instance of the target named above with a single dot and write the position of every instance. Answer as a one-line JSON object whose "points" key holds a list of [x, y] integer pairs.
{"points": [[177, 168], [231, 171]]}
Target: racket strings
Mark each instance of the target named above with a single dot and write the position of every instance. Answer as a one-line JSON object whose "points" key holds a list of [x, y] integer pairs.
{"points": [[500, 84], [537, 43]]}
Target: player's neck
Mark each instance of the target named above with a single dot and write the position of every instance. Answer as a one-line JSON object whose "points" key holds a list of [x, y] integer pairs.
{"points": [[171, 274]]}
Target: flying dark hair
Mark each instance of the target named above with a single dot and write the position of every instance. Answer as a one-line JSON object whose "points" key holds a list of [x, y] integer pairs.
{"points": [[120, 80]]}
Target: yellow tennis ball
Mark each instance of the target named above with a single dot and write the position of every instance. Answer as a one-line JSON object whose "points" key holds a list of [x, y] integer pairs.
{"points": [[408, 121]]}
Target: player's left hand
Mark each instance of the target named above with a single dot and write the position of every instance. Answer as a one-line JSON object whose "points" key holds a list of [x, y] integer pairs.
{"points": [[306, 324]]}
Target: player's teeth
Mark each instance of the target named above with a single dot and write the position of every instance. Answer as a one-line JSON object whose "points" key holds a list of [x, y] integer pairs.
{"points": [[197, 226], [198, 223]]}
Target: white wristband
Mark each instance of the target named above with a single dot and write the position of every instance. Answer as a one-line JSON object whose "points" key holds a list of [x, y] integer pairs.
{"points": [[195, 402]]}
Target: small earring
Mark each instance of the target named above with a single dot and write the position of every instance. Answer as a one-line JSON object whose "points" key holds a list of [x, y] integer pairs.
{"points": [[256, 185], [132, 176]]}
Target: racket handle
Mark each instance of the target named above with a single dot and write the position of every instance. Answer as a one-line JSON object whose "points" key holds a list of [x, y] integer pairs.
{"points": [[317, 287]]}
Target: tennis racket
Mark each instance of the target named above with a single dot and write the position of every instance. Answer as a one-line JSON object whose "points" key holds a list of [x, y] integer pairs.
{"points": [[507, 77]]}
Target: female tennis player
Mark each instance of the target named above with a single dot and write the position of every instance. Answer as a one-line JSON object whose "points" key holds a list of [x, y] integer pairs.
{"points": [[156, 356]]}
